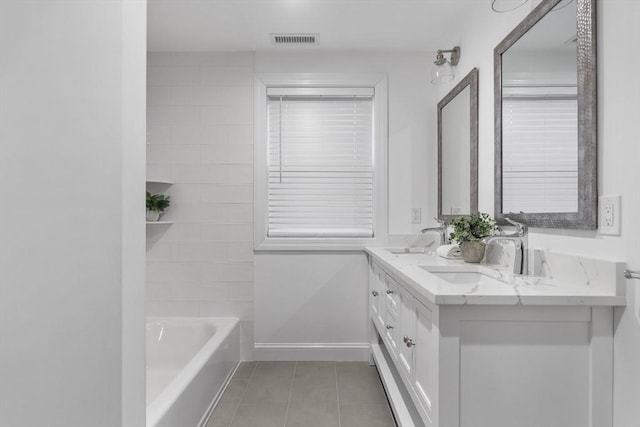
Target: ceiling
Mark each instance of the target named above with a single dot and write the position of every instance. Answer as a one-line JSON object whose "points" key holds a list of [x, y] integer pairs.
{"points": [[209, 25]]}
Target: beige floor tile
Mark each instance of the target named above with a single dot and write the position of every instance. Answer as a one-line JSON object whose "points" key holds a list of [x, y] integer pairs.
{"points": [[313, 415], [267, 390], [270, 370], [304, 394], [315, 371], [360, 388], [228, 404], [308, 392], [244, 371], [314, 382], [366, 416], [263, 415]]}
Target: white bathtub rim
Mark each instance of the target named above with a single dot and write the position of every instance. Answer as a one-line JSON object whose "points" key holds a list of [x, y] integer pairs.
{"points": [[157, 409]]}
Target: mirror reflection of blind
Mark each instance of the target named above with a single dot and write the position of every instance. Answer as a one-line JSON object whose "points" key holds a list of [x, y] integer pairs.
{"points": [[320, 162], [539, 150]]}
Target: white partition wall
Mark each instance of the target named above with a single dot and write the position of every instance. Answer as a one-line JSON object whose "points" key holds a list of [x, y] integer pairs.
{"points": [[72, 217]]}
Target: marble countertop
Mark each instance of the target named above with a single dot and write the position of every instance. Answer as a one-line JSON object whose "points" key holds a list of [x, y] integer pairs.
{"points": [[567, 280]]}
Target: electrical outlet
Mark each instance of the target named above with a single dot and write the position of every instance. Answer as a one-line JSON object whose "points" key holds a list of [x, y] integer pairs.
{"points": [[610, 215], [416, 215]]}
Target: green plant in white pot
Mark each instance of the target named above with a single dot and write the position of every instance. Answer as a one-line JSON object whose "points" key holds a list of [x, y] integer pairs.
{"points": [[156, 205], [469, 231]]}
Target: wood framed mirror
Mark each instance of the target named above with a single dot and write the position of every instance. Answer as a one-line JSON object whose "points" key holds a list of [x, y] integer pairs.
{"points": [[546, 118], [458, 149]]}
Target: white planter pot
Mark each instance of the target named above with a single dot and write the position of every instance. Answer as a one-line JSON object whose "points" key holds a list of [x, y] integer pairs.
{"points": [[472, 251], [153, 215]]}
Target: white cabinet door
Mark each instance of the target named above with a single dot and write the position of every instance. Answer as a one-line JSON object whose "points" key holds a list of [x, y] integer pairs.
{"points": [[377, 294], [374, 290], [391, 332], [425, 375], [406, 354]]}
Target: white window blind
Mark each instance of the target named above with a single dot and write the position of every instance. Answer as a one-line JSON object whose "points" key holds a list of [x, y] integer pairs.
{"points": [[539, 152], [320, 162]]}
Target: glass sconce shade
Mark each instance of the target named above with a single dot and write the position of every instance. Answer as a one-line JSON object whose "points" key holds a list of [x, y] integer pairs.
{"points": [[442, 73]]}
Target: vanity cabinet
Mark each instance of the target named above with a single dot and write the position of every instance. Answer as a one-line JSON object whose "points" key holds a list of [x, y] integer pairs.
{"points": [[406, 329], [489, 365]]}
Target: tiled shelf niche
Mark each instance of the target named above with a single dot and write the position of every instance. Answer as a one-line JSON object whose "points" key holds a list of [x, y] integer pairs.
{"points": [[158, 186]]}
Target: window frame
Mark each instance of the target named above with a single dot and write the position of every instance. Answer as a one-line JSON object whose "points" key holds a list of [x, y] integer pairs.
{"points": [[262, 242]]}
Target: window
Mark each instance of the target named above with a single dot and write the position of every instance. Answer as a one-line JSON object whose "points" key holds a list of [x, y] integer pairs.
{"points": [[319, 174]]}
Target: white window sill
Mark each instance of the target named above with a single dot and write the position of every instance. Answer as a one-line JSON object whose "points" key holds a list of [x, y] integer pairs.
{"points": [[315, 245]]}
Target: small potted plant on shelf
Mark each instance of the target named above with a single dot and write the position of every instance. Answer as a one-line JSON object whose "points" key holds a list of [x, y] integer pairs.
{"points": [[156, 204], [469, 231]]}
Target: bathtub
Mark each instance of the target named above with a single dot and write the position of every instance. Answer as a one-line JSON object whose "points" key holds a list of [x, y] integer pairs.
{"points": [[189, 361]]}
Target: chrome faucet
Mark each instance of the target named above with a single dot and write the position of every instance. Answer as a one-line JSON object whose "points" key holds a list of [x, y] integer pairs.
{"points": [[519, 240], [441, 229]]}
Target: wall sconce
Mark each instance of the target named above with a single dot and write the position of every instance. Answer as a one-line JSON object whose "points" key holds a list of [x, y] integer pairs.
{"points": [[501, 6], [442, 70]]}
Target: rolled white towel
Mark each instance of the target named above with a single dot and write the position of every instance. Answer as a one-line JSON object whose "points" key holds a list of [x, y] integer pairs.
{"points": [[449, 251]]}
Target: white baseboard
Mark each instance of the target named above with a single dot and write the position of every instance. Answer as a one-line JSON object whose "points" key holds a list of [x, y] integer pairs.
{"points": [[348, 352]]}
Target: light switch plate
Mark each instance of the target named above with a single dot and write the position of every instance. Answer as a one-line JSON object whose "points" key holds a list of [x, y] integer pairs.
{"points": [[416, 215], [609, 215]]}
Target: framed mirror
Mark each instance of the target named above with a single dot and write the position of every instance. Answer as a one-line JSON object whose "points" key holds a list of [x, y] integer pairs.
{"points": [[545, 118], [458, 149]]}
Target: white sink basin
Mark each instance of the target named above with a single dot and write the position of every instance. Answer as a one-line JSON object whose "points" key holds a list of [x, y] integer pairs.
{"points": [[464, 278], [405, 250], [473, 276]]}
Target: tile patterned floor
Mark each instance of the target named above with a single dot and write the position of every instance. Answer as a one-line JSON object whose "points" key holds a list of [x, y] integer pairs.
{"points": [[303, 394]]}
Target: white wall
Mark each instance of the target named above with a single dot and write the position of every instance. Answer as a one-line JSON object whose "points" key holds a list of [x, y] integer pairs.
{"points": [[134, 90], [71, 117], [200, 135], [319, 299], [618, 159], [311, 306]]}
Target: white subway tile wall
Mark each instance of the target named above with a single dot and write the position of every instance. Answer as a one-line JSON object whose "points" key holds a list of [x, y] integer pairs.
{"points": [[200, 137]]}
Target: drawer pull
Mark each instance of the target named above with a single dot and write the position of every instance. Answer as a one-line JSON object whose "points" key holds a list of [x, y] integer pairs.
{"points": [[409, 342], [374, 293], [388, 326], [389, 291]]}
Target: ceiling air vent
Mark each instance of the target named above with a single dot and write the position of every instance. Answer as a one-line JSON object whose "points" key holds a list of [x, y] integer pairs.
{"points": [[295, 39]]}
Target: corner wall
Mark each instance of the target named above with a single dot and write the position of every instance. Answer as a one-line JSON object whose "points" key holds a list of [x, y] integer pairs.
{"points": [[618, 159], [72, 224]]}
